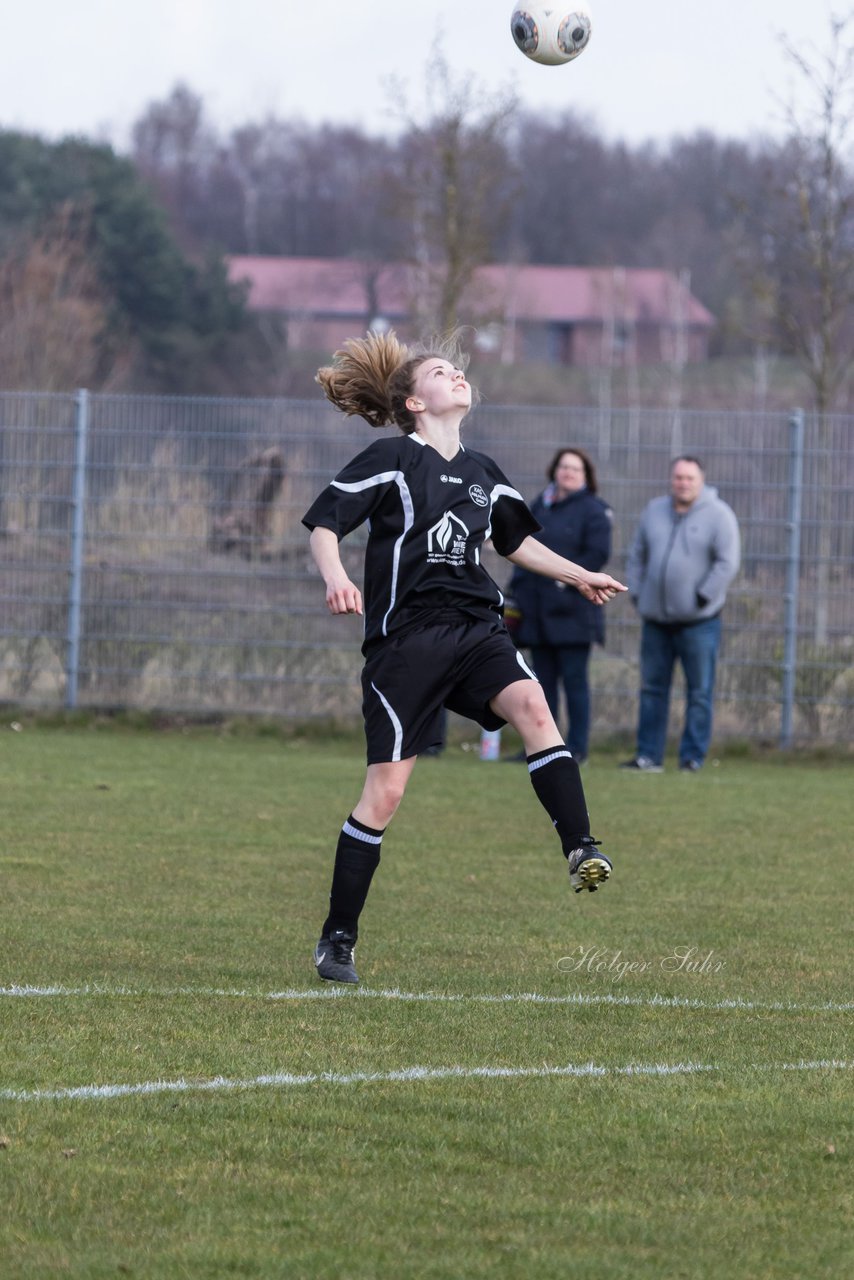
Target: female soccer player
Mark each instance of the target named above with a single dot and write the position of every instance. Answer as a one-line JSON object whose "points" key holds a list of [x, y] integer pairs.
{"points": [[434, 634]]}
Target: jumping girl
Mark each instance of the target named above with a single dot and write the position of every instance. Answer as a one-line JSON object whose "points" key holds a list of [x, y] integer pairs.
{"points": [[434, 634]]}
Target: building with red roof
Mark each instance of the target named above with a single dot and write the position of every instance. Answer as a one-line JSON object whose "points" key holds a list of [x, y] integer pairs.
{"points": [[557, 315]]}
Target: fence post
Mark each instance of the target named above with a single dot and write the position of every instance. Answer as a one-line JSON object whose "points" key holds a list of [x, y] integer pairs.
{"points": [[793, 569], [75, 572]]}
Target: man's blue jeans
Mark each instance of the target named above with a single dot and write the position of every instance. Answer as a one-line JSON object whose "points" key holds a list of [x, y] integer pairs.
{"points": [[696, 646]]}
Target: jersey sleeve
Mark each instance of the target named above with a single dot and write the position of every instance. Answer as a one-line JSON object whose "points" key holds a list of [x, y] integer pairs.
{"points": [[510, 519], [353, 495]]}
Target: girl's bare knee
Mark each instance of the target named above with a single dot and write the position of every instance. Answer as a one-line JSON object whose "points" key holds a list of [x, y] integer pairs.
{"points": [[390, 799], [381, 799], [529, 711]]}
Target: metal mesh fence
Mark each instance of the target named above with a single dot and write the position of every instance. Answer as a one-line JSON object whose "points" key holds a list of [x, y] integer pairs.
{"points": [[152, 556]]}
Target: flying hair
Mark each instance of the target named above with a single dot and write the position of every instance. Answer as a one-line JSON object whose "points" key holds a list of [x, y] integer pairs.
{"points": [[372, 377]]}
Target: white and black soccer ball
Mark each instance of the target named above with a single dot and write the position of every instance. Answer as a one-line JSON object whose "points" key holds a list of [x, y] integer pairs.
{"points": [[551, 33]]}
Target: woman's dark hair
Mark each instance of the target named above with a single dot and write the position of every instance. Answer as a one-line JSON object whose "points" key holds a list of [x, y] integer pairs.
{"points": [[589, 469], [372, 377]]}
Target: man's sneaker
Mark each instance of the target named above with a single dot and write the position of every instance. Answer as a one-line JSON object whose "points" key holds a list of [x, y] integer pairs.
{"points": [[642, 764], [587, 867], [333, 957], [690, 766]]}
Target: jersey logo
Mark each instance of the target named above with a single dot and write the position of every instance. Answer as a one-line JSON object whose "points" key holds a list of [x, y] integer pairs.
{"points": [[478, 496], [446, 541], [451, 479]]}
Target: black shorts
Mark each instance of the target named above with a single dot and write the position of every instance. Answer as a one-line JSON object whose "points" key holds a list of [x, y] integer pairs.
{"points": [[458, 662]]}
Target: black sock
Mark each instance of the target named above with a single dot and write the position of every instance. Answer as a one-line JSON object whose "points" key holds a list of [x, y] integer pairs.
{"points": [[556, 778], [356, 859]]}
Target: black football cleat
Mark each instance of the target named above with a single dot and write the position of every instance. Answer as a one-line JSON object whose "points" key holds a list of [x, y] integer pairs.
{"points": [[587, 867], [333, 957]]}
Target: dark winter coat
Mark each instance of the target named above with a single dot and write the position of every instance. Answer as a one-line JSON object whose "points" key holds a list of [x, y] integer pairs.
{"points": [[579, 528]]}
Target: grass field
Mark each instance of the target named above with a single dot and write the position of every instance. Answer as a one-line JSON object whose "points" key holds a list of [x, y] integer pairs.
{"points": [[651, 1081]]}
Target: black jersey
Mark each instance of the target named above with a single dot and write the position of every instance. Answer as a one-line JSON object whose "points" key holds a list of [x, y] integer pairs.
{"points": [[428, 520]]}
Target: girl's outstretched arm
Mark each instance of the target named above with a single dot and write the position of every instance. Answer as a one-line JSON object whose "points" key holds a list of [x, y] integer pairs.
{"points": [[598, 587]]}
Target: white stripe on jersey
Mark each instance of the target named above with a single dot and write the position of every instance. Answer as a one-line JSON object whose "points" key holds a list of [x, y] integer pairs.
{"points": [[417, 439], [356, 486], [398, 727], [500, 491]]}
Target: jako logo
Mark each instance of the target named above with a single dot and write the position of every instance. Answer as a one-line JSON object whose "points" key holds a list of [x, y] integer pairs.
{"points": [[478, 496], [451, 479]]}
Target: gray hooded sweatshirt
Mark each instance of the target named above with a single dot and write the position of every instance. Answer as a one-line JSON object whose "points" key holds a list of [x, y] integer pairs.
{"points": [[680, 566]]}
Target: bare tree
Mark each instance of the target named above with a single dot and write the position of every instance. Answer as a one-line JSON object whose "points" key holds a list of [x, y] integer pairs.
{"points": [[810, 252], [453, 187], [174, 148], [54, 335], [812, 235], [54, 314]]}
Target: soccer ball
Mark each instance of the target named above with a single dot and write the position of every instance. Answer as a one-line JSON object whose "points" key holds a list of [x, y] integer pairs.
{"points": [[550, 34]]}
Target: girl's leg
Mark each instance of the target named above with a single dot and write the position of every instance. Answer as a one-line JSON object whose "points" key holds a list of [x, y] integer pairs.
{"points": [[545, 663], [383, 791], [523, 704], [556, 779], [358, 853], [555, 776]]}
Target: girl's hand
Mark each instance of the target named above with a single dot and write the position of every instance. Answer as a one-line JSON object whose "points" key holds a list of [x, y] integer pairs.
{"points": [[600, 587], [342, 596]]}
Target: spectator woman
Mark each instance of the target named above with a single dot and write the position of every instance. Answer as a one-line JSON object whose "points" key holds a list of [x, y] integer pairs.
{"points": [[558, 624]]}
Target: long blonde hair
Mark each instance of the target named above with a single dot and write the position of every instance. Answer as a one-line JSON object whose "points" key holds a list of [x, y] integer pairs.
{"points": [[372, 377]]}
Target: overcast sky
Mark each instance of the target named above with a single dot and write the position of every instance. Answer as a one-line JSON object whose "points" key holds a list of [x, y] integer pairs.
{"points": [[651, 71]]}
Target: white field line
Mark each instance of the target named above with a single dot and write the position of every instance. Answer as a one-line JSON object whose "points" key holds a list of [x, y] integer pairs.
{"points": [[25, 991], [285, 1080]]}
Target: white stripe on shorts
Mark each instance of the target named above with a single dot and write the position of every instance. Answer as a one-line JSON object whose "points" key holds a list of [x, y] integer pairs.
{"points": [[523, 664], [398, 727]]}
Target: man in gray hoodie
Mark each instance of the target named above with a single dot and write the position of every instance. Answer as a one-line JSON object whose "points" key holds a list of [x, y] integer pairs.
{"points": [[684, 555]]}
